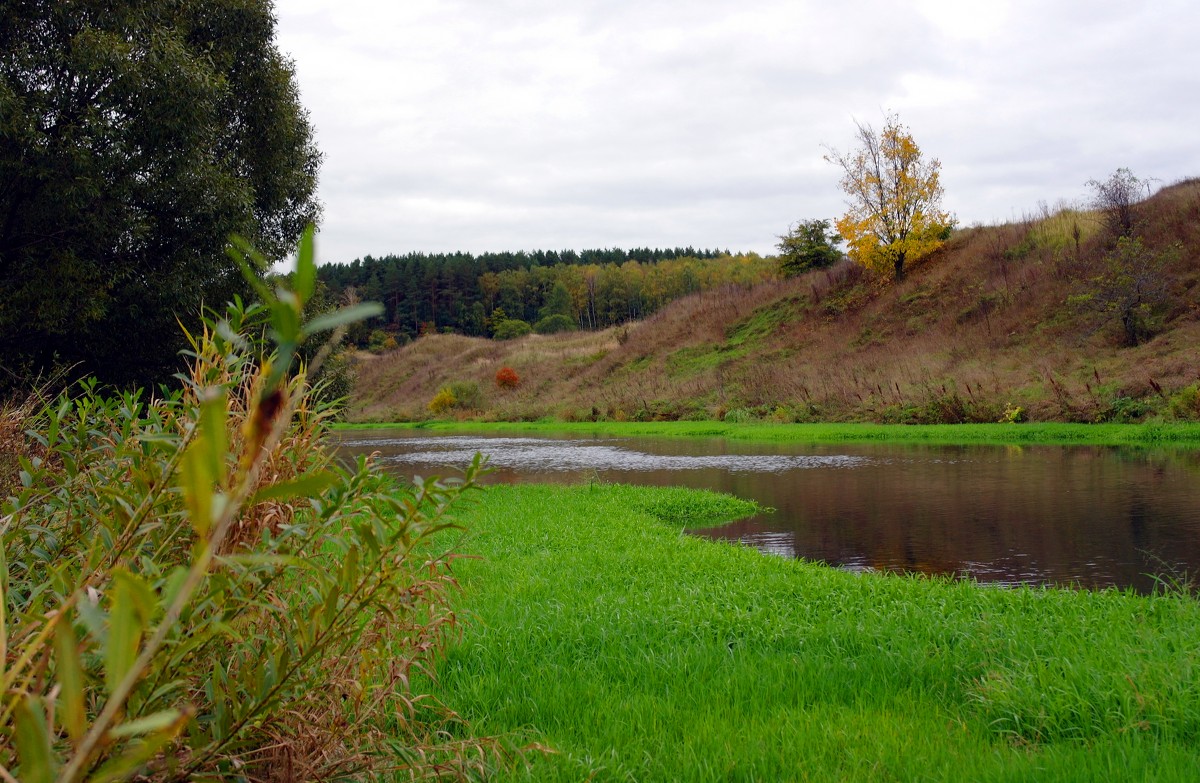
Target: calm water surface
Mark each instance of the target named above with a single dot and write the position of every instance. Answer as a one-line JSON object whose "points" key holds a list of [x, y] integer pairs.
{"points": [[1086, 516]]}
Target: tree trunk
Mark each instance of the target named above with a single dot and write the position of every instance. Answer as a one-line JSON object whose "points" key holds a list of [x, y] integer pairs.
{"points": [[899, 267]]}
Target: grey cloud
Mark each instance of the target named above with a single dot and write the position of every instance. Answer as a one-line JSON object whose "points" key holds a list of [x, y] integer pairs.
{"points": [[509, 124]]}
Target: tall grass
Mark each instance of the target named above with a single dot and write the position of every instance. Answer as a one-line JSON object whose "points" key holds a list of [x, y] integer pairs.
{"points": [[633, 652], [191, 589]]}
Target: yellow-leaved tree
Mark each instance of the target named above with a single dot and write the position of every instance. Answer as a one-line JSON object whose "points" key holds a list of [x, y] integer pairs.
{"points": [[895, 215]]}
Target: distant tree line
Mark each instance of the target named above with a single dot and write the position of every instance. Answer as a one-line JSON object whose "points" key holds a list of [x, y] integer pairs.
{"points": [[495, 294]]}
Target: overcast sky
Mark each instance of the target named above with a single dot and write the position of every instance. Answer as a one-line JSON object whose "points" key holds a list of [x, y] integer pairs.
{"points": [[554, 124]]}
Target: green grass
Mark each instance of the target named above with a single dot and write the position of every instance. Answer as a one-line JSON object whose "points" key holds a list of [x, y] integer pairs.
{"points": [[1156, 434], [763, 322], [687, 362], [596, 628]]}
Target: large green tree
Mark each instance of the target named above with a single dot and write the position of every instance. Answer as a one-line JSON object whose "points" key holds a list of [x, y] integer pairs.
{"points": [[135, 137]]}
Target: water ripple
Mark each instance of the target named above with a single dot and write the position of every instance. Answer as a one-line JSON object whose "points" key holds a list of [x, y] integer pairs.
{"points": [[538, 455]]}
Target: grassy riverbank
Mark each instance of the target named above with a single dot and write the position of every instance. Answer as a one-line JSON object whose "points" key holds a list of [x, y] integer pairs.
{"points": [[1184, 434], [637, 653]]}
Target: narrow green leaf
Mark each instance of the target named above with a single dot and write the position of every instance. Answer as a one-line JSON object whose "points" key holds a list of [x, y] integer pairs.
{"points": [[38, 764], [331, 604], [70, 679], [125, 766], [143, 595], [145, 725], [350, 569], [126, 621], [251, 559], [285, 317], [346, 315], [308, 485], [306, 265], [173, 584], [197, 484], [213, 415], [283, 659], [217, 695], [367, 535]]}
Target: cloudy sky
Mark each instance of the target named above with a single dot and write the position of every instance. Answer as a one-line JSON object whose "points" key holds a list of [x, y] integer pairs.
{"points": [[550, 124]]}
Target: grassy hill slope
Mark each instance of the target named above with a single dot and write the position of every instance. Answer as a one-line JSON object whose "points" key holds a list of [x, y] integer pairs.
{"points": [[982, 330]]}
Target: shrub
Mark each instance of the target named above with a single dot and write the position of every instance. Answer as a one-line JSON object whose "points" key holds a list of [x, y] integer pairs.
{"points": [[467, 394], [511, 328], [554, 324], [443, 401], [458, 394], [1117, 199], [1013, 414], [193, 589], [1185, 404], [1131, 289], [381, 341], [507, 378]]}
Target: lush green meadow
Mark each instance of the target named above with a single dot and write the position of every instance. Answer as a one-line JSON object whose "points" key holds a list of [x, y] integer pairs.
{"points": [[1050, 433], [596, 628]]}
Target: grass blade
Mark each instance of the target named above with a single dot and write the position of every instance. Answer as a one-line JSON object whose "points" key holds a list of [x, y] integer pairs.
{"points": [[38, 764], [70, 679]]}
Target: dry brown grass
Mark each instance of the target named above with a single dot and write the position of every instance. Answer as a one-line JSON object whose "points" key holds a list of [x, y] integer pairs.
{"points": [[978, 329]]}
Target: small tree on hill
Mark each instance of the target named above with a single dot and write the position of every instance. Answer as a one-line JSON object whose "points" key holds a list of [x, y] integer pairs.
{"points": [[1131, 289], [895, 215], [1117, 199], [808, 244]]}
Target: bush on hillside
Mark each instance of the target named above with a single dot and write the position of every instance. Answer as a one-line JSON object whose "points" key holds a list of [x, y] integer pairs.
{"points": [[467, 394], [1130, 289], [1117, 199], [464, 395], [443, 401], [1185, 404], [555, 324], [511, 328], [381, 341], [507, 378]]}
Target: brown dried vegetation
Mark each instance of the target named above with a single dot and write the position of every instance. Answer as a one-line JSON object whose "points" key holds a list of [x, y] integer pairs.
{"points": [[980, 330]]}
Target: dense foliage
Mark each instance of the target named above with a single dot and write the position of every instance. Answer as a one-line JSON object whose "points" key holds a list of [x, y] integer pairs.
{"points": [[808, 244], [476, 295], [134, 138], [191, 588]]}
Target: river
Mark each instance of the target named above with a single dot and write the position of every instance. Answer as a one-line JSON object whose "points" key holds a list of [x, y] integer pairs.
{"points": [[1071, 516]]}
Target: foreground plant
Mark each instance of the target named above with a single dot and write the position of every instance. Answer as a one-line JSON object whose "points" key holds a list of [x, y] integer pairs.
{"points": [[189, 587]]}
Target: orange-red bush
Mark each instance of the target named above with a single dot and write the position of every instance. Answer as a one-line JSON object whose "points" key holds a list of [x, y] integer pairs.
{"points": [[507, 378]]}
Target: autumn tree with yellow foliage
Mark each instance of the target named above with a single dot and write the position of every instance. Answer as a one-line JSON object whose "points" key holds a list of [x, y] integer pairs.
{"points": [[895, 215]]}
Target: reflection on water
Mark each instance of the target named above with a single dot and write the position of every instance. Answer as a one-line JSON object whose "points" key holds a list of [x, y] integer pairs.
{"points": [[1085, 516]]}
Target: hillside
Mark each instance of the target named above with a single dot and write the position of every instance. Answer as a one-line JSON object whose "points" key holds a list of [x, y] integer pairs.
{"points": [[989, 327]]}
